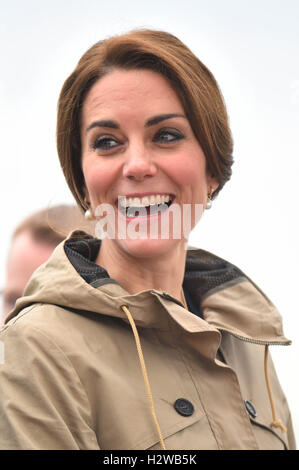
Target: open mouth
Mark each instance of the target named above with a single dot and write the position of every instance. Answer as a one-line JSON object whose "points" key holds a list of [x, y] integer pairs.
{"points": [[144, 206]]}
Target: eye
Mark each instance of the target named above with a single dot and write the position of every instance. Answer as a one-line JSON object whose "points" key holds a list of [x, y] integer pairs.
{"points": [[105, 143], [167, 136]]}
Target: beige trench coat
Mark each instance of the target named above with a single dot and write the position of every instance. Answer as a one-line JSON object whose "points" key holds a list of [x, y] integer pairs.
{"points": [[72, 376]]}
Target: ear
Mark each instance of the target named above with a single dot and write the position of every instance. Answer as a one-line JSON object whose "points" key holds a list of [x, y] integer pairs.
{"points": [[86, 196], [212, 183]]}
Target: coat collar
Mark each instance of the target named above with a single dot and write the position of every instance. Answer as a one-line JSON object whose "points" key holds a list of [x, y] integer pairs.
{"points": [[229, 300]]}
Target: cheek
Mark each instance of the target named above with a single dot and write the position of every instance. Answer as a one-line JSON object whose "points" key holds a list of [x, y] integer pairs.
{"points": [[190, 171], [97, 179]]}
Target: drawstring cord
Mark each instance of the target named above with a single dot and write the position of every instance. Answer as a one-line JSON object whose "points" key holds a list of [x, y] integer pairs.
{"points": [[277, 423], [145, 377]]}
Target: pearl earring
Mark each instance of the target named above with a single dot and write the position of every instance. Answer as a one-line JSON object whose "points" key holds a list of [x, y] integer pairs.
{"points": [[209, 201], [88, 215]]}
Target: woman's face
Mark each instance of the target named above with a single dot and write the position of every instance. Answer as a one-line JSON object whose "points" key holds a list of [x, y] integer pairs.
{"points": [[138, 145]]}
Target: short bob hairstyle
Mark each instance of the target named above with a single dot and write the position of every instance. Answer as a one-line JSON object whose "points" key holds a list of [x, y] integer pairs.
{"points": [[165, 54]]}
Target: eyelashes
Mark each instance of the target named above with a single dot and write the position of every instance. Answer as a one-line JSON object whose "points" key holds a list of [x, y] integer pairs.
{"points": [[168, 136], [106, 143]]}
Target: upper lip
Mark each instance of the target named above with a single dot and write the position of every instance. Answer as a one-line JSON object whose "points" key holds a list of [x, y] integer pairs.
{"points": [[149, 193]]}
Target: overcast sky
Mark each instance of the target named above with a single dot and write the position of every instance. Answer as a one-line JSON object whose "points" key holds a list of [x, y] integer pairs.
{"points": [[252, 48]]}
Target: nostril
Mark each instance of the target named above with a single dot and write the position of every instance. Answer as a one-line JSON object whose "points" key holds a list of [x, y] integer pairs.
{"points": [[138, 169], [139, 177]]}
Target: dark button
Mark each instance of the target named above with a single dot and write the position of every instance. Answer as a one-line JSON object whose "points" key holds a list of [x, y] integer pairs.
{"points": [[250, 408], [184, 407]]}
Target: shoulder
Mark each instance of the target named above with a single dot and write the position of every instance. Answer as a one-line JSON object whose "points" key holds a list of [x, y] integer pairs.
{"points": [[41, 323], [38, 316], [55, 327]]}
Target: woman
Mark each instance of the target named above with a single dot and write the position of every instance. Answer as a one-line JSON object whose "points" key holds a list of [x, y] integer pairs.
{"points": [[132, 342]]}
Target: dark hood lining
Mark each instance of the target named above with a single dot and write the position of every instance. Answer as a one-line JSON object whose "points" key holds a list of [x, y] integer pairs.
{"points": [[82, 255], [205, 272]]}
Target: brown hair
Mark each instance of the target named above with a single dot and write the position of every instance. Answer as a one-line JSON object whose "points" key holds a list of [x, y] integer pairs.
{"points": [[163, 53], [52, 225]]}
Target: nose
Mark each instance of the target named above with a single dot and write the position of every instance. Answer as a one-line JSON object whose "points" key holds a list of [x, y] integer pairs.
{"points": [[139, 164]]}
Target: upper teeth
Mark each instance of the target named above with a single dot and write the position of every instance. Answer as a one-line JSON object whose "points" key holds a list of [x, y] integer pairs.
{"points": [[144, 201]]}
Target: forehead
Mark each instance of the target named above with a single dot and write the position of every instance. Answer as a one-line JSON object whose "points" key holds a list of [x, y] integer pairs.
{"points": [[134, 91]]}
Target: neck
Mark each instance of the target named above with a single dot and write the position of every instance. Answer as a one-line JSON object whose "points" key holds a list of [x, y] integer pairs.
{"points": [[164, 272]]}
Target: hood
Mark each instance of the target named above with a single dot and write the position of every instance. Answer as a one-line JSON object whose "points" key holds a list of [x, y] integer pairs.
{"points": [[220, 298], [224, 296]]}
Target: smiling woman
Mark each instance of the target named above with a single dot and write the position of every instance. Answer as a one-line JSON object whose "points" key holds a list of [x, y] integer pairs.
{"points": [[155, 51], [132, 342], [151, 155]]}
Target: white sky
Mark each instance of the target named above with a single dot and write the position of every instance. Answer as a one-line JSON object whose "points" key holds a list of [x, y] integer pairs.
{"points": [[252, 48]]}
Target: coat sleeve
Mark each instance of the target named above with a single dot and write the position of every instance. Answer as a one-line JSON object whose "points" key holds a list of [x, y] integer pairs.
{"points": [[285, 410], [43, 404], [291, 435]]}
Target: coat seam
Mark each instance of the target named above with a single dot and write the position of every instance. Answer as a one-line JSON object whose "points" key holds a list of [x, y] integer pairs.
{"points": [[218, 441], [267, 428], [21, 314], [209, 418]]}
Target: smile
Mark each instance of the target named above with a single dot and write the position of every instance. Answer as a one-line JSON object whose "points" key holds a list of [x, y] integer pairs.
{"points": [[144, 206]]}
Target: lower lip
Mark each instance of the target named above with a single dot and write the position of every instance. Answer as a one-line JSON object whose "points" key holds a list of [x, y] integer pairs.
{"points": [[142, 218]]}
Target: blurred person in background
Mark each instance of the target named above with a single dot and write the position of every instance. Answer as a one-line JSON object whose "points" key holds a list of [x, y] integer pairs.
{"points": [[32, 243]]}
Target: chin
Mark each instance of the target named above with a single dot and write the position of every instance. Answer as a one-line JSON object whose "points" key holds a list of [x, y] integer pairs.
{"points": [[148, 248]]}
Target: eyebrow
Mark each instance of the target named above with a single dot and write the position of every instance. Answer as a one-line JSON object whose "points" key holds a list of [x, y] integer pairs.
{"points": [[162, 117], [150, 122]]}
